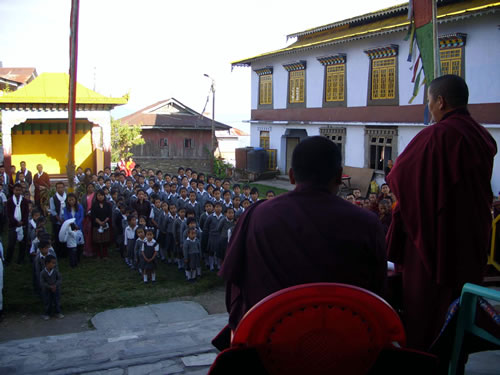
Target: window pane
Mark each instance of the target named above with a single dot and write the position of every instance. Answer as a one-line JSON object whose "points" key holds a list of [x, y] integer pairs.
{"points": [[373, 156]]}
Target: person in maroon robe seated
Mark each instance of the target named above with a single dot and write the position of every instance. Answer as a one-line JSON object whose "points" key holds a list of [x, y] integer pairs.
{"points": [[307, 235], [439, 244]]}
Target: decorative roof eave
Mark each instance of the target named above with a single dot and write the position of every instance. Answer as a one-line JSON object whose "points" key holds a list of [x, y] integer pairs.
{"points": [[363, 17], [298, 65], [173, 127], [444, 18], [386, 51], [264, 71], [332, 60], [452, 40], [52, 107]]}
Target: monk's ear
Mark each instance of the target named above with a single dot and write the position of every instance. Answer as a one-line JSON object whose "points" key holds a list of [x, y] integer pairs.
{"points": [[291, 176], [441, 102]]}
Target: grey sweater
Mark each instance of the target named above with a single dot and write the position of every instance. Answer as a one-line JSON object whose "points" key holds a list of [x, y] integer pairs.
{"points": [[48, 279]]}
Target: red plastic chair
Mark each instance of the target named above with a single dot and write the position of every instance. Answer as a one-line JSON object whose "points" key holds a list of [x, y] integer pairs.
{"points": [[321, 328]]}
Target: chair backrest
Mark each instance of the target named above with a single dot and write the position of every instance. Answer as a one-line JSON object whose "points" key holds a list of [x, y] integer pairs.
{"points": [[321, 328]]}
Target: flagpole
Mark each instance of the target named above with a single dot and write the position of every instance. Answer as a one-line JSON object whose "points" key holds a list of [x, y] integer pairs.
{"points": [[73, 59], [437, 70]]}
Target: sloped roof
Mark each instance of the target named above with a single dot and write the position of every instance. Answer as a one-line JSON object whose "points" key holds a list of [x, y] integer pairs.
{"points": [[171, 114], [231, 133], [385, 21], [18, 75], [53, 88]]}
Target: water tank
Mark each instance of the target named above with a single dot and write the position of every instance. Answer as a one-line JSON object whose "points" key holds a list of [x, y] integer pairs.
{"points": [[257, 160], [241, 157]]}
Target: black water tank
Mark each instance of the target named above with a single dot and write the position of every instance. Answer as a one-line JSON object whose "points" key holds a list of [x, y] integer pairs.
{"points": [[257, 160]]}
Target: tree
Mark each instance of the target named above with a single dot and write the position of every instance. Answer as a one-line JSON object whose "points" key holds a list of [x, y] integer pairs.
{"points": [[123, 138]]}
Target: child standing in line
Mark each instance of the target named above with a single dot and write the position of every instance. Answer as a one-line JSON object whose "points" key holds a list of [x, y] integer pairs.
{"points": [[172, 215], [140, 235], [238, 210], [150, 250], [212, 235], [50, 282], [155, 215], [254, 194], [178, 243], [224, 226], [270, 194], [245, 203], [209, 209], [129, 240], [192, 255], [162, 231], [75, 238]]}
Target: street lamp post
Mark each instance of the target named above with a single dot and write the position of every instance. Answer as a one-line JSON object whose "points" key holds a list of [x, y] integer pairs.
{"points": [[212, 89]]}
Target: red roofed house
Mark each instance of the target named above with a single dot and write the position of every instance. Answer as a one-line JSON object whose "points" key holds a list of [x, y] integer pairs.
{"points": [[175, 135], [13, 78]]}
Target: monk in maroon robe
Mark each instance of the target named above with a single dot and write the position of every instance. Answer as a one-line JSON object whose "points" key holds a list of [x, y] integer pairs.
{"points": [[307, 235], [439, 244], [40, 180]]}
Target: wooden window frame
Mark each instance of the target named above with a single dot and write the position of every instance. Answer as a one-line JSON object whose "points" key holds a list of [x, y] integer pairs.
{"points": [[453, 43], [265, 139], [188, 143], [329, 62], [266, 73], [163, 142], [378, 55], [338, 136], [385, 132], [292, 69]]}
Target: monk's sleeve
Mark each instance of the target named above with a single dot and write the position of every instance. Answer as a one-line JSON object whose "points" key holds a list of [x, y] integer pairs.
{"points": [[380, 276]]}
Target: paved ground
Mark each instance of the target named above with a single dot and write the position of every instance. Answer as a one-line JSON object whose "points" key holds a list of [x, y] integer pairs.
{"points": [[280, 182], [167, 338], [133, 341]]}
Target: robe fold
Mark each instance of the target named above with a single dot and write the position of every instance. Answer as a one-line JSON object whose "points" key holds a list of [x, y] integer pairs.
{"points": [[304, 236], [441, 223]]}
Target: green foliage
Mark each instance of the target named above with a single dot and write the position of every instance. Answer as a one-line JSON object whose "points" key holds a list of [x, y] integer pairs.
{"points": [[123, 138], [220, 167]]}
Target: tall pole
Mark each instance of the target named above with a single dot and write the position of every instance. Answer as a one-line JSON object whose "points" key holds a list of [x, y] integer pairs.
{"points": [[73, 60], [212, 88], [437, 63], [213, 117]]}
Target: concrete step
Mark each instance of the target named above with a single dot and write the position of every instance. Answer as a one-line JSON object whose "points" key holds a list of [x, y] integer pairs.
{"points": [[181, 347]]}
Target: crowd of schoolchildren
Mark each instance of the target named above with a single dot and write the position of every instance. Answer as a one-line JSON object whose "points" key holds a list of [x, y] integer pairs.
{"points": [[183, 219], [380, 203]]}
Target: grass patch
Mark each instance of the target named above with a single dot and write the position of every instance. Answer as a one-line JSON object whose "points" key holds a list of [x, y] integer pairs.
{"points": [[264, 188], [97, 285]]}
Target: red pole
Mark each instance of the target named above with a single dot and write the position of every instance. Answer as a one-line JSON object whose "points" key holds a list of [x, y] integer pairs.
{"points": [[73, 60]]}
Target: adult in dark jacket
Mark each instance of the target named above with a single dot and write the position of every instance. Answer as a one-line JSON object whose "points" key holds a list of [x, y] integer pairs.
{"points": [[101, 215], [17, 212]]}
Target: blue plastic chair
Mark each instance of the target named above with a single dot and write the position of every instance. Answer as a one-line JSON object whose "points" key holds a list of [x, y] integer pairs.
{"points": [[467, 320]]}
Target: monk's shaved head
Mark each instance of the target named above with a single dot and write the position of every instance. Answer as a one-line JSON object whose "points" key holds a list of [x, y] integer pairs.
{"points": [[452, 89], [316, 160]]}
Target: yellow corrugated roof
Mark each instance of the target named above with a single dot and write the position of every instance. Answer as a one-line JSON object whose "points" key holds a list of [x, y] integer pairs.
{"points": [[53, 88], [338, 35]]}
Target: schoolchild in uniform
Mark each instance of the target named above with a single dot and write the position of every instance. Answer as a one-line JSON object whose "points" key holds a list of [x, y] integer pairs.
{"points": [[194, 205], [183, 199], [201, 194], [75, 238], [209, 209], [50, 282], [192, 255], [236, 190], [227, 203], [254, 194], [170, 243], [155, 215], [217, 197], [224, 226], [270, 194], [140, 235], [181, 217], [211, 233], [238, 209], [129, 240], [162, 231], [246, 194], [150, 249], [245, 204]]}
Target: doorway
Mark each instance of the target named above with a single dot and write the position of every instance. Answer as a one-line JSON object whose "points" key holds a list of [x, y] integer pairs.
{"points": [[291, 142]]}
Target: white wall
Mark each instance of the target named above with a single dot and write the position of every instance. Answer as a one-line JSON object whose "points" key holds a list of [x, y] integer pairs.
{"points": [[482, 69], [405, 135], [355, 146]]}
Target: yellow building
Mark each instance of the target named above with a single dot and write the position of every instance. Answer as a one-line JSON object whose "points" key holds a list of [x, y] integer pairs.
{"points": [[35, 125]]}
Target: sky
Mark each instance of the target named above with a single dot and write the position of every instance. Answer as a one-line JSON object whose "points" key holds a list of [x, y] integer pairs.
{"points": [[157, 49]]}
